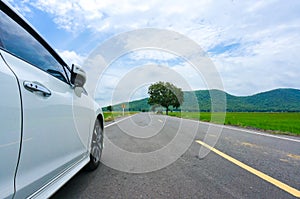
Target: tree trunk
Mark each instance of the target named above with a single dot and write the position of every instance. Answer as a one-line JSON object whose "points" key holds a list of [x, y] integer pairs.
{"points": [[167, 110]]}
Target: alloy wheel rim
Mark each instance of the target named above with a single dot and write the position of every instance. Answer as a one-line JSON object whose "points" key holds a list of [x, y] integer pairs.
{"points": [[97, 143]]}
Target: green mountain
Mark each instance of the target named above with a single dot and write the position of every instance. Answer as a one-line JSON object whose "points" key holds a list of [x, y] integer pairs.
{"points": [[278, 100]]}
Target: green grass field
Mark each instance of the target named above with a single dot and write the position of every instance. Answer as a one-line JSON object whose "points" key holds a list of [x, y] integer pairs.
{"points": [[109, 116], [282, 123]]}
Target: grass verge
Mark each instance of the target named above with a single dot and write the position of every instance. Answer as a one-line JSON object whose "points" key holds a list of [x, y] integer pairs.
{"points": [[279, 123], [110, 116]]}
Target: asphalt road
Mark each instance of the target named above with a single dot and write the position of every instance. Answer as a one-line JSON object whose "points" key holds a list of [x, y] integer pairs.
{"points": [[243, 164]]}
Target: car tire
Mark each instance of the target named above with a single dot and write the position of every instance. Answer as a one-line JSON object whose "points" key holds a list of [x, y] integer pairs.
{"points": [[96, 147]]}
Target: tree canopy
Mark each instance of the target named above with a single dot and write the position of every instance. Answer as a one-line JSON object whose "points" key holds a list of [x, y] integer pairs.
{"points": [[110, 108], [165, 94]]}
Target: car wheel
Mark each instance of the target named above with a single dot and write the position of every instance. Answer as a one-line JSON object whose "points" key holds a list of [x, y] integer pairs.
{"points": [[96, 147]]}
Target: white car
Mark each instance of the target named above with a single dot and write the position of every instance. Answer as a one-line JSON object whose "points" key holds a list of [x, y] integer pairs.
{"points": [[50, 128]]}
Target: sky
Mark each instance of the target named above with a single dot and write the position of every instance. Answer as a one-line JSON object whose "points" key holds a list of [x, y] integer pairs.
{"points": [[254, 45]]}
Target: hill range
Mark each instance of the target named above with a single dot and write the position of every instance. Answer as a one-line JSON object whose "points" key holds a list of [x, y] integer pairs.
{"points": [[278, 100]]}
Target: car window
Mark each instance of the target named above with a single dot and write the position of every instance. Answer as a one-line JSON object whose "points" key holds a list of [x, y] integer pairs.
{"points": [[1, 45], [17, 41]]}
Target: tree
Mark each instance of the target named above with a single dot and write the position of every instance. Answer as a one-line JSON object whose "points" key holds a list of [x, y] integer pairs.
{"points": [[110, 108], [165, 94]]}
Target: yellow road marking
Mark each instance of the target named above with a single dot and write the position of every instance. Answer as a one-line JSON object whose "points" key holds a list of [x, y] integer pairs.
{"points": [[297, 157], [250, 145], [260, 174], [212, 135], [283, 160]]}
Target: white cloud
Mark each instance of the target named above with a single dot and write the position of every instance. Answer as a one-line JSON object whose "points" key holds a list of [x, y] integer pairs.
{"points": [[152, 54], [71, 57], [267, 33], [21, 7]]}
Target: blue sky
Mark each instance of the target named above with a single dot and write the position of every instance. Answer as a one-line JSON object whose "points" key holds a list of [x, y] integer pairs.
{"points": [[254, 45]]}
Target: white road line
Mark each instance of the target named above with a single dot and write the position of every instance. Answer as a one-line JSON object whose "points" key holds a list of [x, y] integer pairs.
{"points": [[267, 135], [249, 131], [118, 121], [240, 129]]}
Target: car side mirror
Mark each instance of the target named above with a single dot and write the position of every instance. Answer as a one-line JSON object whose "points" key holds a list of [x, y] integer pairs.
{"points": [[78, 76]]}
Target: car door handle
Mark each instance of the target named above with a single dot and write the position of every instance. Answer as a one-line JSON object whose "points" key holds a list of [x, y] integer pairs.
{"points": [[37, 87]]}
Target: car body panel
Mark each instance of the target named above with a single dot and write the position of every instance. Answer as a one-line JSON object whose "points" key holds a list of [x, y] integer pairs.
{"points": [[51, 133], [52, 186], [10, 117], [50, 139]]}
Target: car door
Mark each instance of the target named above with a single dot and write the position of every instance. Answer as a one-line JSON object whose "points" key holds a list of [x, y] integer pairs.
{"points": [[10, 125], [50, 141]]}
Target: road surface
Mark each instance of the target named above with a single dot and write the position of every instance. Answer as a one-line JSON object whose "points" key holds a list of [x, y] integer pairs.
{"points": [[242, 164]]}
